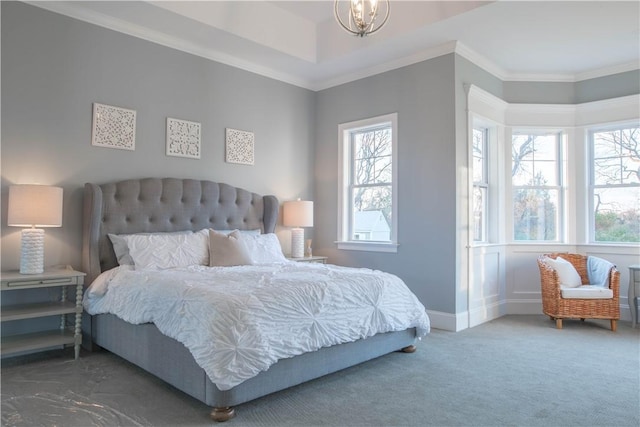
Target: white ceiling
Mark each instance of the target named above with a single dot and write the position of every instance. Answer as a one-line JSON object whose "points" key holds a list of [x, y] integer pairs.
{"points": [[299, 42]]}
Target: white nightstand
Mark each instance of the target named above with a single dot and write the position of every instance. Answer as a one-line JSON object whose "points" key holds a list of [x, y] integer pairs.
{"points": [[634, 292], [318, 259], [13, 281]]}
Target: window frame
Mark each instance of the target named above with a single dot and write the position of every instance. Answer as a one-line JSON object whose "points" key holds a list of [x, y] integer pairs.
{"points": [[560, 187], [483, 184], [345, 182], [591, 185]]}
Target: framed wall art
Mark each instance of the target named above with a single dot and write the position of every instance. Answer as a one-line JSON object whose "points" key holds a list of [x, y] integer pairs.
{"points": [[239, 147], [113, 127], [183, 138]]}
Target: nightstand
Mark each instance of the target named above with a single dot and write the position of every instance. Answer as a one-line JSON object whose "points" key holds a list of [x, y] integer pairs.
{"points": [[13, 281], [318, 259], [634, 292]]}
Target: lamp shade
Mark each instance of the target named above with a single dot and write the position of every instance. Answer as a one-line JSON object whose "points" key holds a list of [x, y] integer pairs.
{"points": [[34, 205], [298, 213]]}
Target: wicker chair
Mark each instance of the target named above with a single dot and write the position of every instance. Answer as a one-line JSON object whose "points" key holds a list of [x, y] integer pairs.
{"points": [[558, 308]]}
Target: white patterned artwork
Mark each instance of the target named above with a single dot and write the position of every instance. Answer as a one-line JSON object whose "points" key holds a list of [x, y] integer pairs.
{"points": [[183, 138], [239, 146], [113, 127]]}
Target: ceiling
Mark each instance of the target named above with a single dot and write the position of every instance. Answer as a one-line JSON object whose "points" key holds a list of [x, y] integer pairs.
{"points": [[299, 42]]}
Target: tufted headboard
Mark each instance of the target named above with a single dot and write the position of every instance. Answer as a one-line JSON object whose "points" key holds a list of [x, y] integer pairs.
{"points": [[162, 205]]}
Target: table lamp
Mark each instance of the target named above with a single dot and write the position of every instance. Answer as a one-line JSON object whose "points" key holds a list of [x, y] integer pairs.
{"points": [[297, 214], [34, 206]]}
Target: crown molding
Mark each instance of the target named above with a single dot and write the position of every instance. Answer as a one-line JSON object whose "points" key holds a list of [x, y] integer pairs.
{"points": [[144, 33], [443, 49], [608, 71], [72, 10], [481, 61]]}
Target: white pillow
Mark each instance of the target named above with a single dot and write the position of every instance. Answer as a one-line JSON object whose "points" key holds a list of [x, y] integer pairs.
{"points": [[226, 250], [158, 251], [121, 248], [567, 274], [264, 248]]}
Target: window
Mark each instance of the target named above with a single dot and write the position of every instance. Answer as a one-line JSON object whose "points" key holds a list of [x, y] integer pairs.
{"points": [[536, 183], [615, 184], [368, 184], [480, 183]]}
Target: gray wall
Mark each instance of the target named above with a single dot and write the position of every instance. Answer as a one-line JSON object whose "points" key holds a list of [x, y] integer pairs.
{"points": [[423, 96], [55, 67]]}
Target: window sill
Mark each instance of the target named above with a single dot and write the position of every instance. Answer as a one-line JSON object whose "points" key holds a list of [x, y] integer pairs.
{"points": [[368, 246]]}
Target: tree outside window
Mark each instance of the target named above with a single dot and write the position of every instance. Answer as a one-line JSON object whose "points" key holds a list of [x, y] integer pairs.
{"points": [[615, 185], [536, 180]]}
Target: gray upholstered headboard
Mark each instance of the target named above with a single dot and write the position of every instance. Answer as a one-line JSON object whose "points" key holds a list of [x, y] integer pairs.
{"points": [[162, 205]]}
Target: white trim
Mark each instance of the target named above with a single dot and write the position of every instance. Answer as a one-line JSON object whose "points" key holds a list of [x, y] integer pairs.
{"points": [[607, 71], [481, 61], [484, 104], [487, 313], [368, 246], [344, 156], [548, 116], [608, 111], [573, 78], [448, 321]]}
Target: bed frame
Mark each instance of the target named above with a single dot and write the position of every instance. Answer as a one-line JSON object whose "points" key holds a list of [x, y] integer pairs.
{"points": [[171, 204]]}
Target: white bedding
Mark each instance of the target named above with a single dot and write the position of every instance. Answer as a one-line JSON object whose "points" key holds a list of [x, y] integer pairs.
{"points": [[238, 321]]}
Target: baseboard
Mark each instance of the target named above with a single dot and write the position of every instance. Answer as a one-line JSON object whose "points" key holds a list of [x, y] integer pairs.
{"points": [[487, 313], [448, 321], [468, 319]]}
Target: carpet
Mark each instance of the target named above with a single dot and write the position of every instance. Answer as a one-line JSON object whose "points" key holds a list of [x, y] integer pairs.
{"points": [[513, 371]]}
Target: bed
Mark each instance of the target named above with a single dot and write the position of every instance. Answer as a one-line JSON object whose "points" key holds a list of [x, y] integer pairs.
{"points": [[166, 205]]}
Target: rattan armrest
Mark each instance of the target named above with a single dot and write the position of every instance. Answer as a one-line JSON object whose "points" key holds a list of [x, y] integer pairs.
{"points": [[614, 282], [550, 281]]}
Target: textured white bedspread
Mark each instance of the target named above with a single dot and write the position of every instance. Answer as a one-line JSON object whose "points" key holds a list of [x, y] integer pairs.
{"points": [[238, 321]]}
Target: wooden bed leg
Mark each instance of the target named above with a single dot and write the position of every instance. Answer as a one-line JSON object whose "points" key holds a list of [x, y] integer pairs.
{"points": [[222, 414], [409, 349], [558, 323], [614, 325]]}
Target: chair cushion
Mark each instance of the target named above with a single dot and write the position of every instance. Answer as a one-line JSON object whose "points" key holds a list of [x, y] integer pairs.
{"points": [[586, 292], [567, 273]]}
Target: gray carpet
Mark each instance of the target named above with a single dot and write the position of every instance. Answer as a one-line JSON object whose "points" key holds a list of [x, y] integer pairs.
{"points": [[514, 371]]}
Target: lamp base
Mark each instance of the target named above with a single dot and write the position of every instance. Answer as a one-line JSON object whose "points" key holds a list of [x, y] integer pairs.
{"points": [[32, 251], [297, 242]]}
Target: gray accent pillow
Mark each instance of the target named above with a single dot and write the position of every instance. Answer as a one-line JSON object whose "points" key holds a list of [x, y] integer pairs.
{"points": [[226, 250]]}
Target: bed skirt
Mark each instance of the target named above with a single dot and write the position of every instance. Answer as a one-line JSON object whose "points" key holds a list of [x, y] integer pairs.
{"points": [[144, 345]]}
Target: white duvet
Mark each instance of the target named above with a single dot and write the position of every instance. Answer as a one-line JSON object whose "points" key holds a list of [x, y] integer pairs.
{"points": [[238, 321]]}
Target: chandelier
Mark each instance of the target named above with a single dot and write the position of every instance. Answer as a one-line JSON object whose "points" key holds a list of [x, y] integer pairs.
{"points": [[360, 17]]}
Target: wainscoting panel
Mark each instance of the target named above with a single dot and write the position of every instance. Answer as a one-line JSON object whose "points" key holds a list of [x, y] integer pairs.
{"points": [[487, 285], [523, 276]]}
